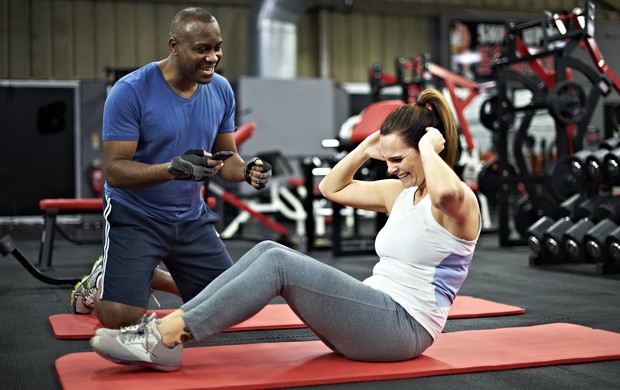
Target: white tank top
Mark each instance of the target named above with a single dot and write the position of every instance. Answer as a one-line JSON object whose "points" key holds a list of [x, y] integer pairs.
{"points": [[421, 264]]}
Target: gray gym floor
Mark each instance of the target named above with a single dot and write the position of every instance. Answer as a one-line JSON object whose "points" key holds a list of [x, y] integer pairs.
{"points": [[551, 293]]}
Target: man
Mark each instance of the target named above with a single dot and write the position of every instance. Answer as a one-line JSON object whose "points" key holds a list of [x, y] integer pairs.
{"points": [[161, 126]]}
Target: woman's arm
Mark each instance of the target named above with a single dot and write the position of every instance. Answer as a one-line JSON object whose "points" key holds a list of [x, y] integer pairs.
{"points": [[457, 206], [339, 186]]}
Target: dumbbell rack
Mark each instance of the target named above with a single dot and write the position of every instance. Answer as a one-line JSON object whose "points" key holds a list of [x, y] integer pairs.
{"points": [[582, 240], [586, 226]]}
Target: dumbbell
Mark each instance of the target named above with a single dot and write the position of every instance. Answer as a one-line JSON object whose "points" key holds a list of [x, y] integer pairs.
{"points": [[568, 206], [595, 239], [553, 238], [596, 163], [535, 235], [573, 239], [610, 143], [566, 175], [612, 243], [577, 165], [589, 208], [611, 165], [609, 207], [595, 166]]}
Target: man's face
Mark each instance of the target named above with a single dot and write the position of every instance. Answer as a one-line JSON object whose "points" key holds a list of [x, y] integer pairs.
{"points": [[198, 50]]}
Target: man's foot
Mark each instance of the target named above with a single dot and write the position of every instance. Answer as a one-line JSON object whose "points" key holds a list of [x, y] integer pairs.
{"points": [[139, 345], [83, 294]]}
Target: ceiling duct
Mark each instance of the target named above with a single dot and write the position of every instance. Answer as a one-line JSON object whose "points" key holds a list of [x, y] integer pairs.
{"points": [[273, 37]]}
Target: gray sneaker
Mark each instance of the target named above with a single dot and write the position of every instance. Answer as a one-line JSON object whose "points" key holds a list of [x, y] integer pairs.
{"points": [[139, 345], [83, 294], [126, 329]]}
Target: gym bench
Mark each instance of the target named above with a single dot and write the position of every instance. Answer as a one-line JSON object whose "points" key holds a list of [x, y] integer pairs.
{"points": [[51, 209]]}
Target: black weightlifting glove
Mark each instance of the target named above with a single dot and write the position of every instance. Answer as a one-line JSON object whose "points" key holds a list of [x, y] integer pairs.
{"points": [[264, 175], [191, 165]]}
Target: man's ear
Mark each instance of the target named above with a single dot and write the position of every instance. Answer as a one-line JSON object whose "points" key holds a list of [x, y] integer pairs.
{"points": [[173, 45]]}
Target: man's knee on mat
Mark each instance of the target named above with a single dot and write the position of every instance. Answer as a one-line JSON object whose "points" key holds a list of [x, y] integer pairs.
{"points": [[114, 315]]}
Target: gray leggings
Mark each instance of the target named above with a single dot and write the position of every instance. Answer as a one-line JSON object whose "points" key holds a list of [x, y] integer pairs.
{"points": [[350, 317]]}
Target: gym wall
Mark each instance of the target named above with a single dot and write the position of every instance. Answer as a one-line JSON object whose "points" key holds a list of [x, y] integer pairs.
{"points": [[78, 39], [51, 136], [293, 116]]}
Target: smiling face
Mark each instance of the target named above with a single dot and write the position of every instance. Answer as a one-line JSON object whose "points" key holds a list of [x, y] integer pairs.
{"points": [[198, 50], [402, 160]]}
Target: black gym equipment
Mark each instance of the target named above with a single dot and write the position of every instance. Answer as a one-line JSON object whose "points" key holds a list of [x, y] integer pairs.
{"points": [[581, 172], [569, 102], [578, 166], [566, 102], [563, 178], [595, 239], [488, 113], [609, 208], [612, 246], [595, 167], [553, 238], [489, 178], [567, 208], [8, 246], [537, 201], [536, 236], [611, 166], [572, 239], [610, 143], [589, 208], [360, 241]]}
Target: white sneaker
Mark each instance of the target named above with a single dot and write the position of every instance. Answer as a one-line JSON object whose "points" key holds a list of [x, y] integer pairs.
{"points": [[138, 344]]}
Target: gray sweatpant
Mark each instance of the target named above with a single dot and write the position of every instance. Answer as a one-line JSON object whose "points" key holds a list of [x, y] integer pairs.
{"points": [[350, 317]]}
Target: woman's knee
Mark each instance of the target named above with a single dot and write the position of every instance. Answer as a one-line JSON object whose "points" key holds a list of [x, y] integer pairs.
{"points": [[267, 245]]}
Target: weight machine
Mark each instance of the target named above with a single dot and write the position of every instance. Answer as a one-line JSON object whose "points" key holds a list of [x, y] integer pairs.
{"points": [[553, 90]]}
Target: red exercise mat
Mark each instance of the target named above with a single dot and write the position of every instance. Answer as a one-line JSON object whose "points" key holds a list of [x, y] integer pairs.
{"points": [[469, 307], [277, 316], [310, 363], [83, 326]]}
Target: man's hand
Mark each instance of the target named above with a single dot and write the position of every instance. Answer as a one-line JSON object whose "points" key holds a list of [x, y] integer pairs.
{"points": [[191, 165], [257, 173]]}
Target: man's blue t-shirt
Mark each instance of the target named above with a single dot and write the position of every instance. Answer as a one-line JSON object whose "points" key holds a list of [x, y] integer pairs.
{"points": [[142, 107]]}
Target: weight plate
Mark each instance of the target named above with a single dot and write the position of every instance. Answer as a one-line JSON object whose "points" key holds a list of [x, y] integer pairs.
{"points": [[489, 114], [566, 102]]}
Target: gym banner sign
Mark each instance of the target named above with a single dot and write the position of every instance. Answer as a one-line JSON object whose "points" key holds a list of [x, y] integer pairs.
{"points": [[475, 44]]}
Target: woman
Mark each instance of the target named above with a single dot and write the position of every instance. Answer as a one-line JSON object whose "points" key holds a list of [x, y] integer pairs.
{"points": [[424, 248]]}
